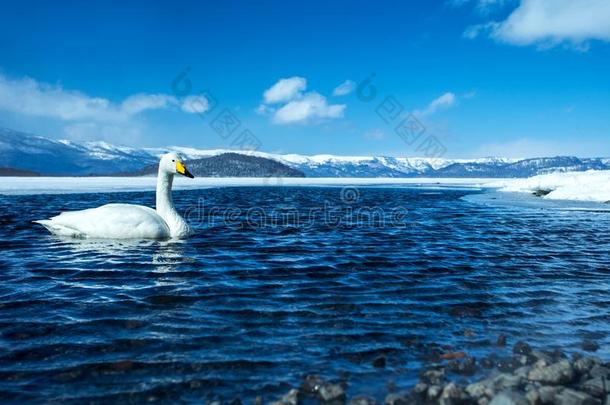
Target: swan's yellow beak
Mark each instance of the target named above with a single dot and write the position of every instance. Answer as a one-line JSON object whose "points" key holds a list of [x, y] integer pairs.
{"points": [[181, 168]]}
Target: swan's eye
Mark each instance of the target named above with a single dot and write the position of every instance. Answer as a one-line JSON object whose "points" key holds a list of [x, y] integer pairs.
{"points": [[173, 160]]}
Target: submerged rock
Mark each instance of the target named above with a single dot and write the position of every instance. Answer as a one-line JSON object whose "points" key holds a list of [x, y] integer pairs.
{"points": [[533, 396], [481, 389], [523, 371], [583, 365], [331, 393], [522, 348], [509, 398], [558, 373], [507, 381], [508, 364], [398, 398], [362, 400], [290, 398], [433, 392], [599, 371], [529, 377], [312, 383], [420, 388], [501, 340], [434, 376], [486, 362], [540, 356], [453, 355], [379, 362], [590, 346], [598, 387], [452, 394], [569, 396], [464, 367], [547, 394]]}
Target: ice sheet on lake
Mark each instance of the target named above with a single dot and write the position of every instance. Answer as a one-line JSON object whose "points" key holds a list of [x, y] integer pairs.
{"points": [[580, 186], [62, 185], [591, 185], [519, 201]]}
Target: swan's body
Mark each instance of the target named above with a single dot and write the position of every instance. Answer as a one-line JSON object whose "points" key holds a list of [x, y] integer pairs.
{"points": [[113, 221], [127, 221]]}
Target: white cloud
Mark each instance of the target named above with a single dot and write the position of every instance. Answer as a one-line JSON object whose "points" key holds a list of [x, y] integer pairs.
{"points": [[551, 22], [294, 105], [195, 104], [141, 102], [475, 30], [310, 106], [29, 97], [444, 101], [344, 88], [84, 117], [264, 109], [285, 90]]}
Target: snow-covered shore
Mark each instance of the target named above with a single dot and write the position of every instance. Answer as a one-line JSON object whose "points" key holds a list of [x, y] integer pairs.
{"points": [[66, 185], [591, 185], [578, 186]]}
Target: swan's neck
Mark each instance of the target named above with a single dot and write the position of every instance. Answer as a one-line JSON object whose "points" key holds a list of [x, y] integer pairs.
{"points": [[165, 206]]}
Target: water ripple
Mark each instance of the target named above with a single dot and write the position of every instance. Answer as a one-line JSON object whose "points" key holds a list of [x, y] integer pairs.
{"points": [[246, 308]]}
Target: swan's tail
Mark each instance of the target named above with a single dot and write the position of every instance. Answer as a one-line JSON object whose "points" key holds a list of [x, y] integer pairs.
{"points": [[59, 229]]}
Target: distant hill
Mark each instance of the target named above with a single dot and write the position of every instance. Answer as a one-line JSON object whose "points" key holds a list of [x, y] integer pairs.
{"points": [[523, 168], [31, 153], [232, 165], [24, 151], [7, 171]]}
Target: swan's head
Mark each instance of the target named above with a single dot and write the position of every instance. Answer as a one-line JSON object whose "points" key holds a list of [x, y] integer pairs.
{"points": [[171, 163]]}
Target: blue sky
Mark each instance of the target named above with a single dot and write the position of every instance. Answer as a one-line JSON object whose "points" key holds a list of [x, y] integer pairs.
{"points": [[484, 77]]}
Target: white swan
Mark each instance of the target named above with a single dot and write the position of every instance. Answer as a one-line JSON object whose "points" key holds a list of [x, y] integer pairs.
{"points": [[128, 221]]}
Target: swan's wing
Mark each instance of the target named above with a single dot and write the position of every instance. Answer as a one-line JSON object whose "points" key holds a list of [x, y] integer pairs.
{"points": [[60, 229], [116, 221]]}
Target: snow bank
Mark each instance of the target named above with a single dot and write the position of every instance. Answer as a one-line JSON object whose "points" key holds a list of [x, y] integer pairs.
{"points": [[581, 186], [591, 185], [62, 185]]}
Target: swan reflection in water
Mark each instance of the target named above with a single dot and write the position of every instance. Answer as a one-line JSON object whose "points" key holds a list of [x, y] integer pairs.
{"points": [[153, 258]]}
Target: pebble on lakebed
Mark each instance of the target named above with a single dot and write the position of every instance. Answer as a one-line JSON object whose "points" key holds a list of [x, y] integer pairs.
{"points": [[528, 377]]}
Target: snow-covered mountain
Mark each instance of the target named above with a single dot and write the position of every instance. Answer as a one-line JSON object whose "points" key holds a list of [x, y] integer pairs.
{"points": [[23, 151]]}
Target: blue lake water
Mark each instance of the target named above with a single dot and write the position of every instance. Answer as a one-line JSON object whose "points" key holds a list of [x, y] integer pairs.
{"points": [[311, 280]]}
